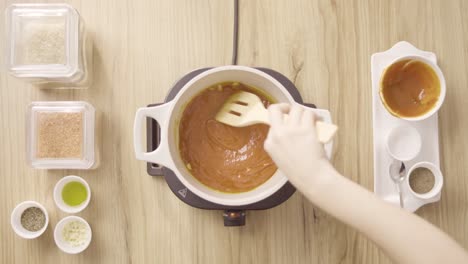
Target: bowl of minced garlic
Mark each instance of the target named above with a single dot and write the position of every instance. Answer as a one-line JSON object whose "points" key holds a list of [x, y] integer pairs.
{"points": [[72, 234]]}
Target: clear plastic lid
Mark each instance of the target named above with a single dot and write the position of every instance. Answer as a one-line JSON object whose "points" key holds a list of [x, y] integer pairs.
{"points": [[42, 40], [61, 135]]}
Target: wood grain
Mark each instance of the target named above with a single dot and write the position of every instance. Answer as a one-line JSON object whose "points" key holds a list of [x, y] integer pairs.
{"points": [[142, 47]]}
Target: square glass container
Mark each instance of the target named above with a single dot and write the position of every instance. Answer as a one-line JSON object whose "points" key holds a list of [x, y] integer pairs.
{"points": [[45, 43], [60, 135]]}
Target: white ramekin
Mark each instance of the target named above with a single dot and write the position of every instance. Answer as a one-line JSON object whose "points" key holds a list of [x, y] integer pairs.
{"points": [[58, 195], [64, 245], [16, 220]]}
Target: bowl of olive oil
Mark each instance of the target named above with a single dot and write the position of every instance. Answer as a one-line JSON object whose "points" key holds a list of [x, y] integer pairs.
{"points": [[72, 194]]}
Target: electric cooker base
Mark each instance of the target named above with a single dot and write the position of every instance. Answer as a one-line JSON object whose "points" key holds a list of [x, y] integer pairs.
{"points": [[233, 215]]}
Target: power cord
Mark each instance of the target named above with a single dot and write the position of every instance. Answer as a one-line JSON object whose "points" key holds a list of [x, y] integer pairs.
{"points": [[235, 37]]}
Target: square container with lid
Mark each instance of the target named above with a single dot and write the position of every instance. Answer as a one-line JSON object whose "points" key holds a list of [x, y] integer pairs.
{"points": [[60, 135], [44, 43]]}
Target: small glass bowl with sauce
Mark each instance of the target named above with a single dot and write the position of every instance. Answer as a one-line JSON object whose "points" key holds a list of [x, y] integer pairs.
{"points": [[72, 194]]}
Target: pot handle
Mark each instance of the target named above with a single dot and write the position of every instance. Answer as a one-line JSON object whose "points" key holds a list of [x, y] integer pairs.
{"points": [[161, 154]]}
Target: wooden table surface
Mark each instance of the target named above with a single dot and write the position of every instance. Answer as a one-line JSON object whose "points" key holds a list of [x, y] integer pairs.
{"points": [[142, 47]]}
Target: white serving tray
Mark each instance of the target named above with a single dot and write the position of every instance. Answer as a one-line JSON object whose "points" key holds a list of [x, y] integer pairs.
{"points": [[383, 122]]}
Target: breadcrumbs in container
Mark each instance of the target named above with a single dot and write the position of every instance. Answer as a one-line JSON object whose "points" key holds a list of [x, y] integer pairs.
{"points": [[61, 135]]}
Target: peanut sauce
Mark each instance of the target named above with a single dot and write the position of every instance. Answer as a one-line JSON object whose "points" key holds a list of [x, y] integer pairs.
{"points": [[224, 158]]}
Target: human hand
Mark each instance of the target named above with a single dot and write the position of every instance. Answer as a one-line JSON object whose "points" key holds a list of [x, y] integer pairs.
{"points": [[293, 145]]}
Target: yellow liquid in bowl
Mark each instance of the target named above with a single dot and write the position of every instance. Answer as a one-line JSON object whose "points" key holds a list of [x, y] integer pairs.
{"points": [[74, 193]]}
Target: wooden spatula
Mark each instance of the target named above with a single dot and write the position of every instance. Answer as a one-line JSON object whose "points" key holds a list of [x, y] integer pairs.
{"points": [[244, 109]]}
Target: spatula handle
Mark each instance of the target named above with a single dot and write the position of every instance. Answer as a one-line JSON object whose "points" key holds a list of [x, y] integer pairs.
{"points": [[325, 131]]}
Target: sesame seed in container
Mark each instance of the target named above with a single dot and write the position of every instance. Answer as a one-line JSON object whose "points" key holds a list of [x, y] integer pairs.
{"points": [[47, 44], [61, 135], [43, 43]]}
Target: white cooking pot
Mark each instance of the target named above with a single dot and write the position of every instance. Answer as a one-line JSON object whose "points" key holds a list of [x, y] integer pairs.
{"points": [[169, 114]]}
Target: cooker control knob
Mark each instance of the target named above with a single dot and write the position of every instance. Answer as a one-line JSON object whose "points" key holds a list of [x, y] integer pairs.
{"points": [[234, 217]]}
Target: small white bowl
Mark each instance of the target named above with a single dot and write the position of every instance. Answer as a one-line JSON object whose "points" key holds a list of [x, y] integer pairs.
{"points": [[58, 195], [438, 180], [16, 220], [403, 143], [64, 245]]}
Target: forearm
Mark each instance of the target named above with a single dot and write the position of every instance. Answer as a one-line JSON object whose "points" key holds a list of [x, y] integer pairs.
{"points": [[404, 236]]}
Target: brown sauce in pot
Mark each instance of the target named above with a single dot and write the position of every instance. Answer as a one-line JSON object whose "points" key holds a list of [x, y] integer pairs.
{"points": [[224, 158], [410, 88]]}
